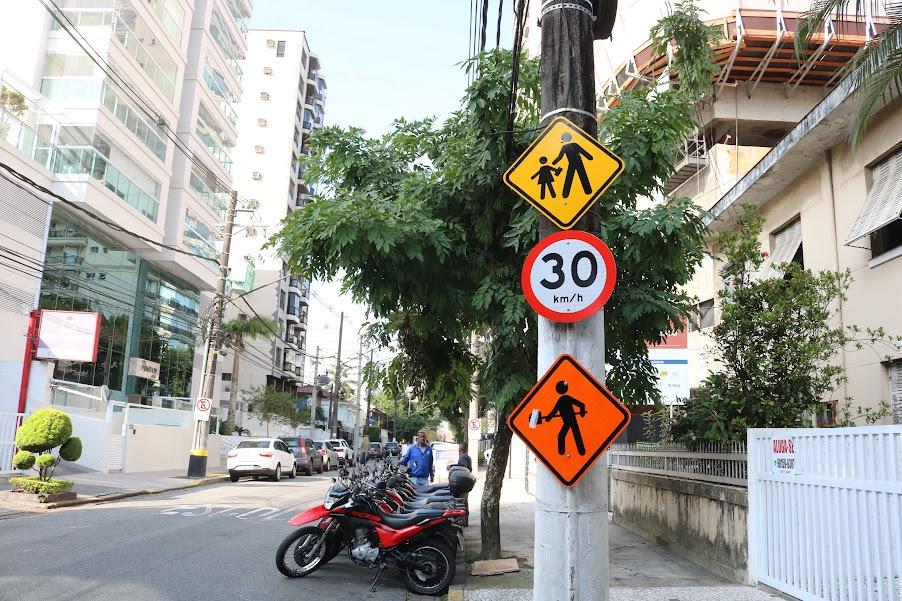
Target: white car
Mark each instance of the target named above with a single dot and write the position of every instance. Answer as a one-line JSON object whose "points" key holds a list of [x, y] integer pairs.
{"points": [[261, 457], [343, 450]]}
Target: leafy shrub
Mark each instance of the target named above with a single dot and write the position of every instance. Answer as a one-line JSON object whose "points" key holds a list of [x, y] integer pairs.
{"points": [[45, 461], [34, 485], [23, 460], [43, 430], [71, 449]]}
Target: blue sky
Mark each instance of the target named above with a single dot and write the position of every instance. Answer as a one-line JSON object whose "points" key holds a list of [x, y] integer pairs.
{"points": [[385, 58]]}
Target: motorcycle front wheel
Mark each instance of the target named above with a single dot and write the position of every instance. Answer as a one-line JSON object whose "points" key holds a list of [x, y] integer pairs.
{"points": [[430, 569], [302, 552]]}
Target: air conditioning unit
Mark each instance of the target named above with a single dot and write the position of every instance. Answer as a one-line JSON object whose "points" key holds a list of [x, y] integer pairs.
{"points": [[259, 149], [270, 43], [264, 95], [256, 175], [267, 70], [262, 122]]}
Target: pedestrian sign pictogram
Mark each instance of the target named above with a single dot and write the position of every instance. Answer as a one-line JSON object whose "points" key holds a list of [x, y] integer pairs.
{"points": [[563, 172], [568, 419]]}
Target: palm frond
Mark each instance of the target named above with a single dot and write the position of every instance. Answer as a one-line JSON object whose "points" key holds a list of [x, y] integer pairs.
{"points": [[879, 80]]}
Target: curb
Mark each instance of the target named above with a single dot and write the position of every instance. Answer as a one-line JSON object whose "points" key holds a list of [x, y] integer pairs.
{"points": [[125, 494]]}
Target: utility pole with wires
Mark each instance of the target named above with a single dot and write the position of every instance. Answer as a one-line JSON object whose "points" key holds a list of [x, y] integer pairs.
{"points": [[571, 525], [197, 460], [336, 384], [315, 405]]}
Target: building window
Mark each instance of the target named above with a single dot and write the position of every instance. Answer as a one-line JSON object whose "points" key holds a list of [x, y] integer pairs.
{"points": [[895, 391], [280, 48], [786, 247], [282, 299], [886, 238], [705, 312], [226, 377], [199, 237], [879, 217]]}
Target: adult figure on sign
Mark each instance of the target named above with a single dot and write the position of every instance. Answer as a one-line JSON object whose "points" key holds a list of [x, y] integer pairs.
{"points": [[574, 153]]}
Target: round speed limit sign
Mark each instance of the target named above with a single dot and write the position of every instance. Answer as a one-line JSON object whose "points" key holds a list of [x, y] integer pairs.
{"points": [[568, 276]]}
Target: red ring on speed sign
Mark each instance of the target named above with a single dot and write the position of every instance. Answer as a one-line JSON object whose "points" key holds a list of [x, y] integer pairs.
{"points": [[597, 295]]}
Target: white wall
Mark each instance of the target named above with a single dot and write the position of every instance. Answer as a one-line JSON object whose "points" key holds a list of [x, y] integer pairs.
{"points": [[155, 448], [95, 435]]}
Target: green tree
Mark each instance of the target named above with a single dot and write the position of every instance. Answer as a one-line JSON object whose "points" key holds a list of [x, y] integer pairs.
{"points": [[425, 233], [876, 69], [236, 331], [776, 341], [271, 405], [38, 435]]}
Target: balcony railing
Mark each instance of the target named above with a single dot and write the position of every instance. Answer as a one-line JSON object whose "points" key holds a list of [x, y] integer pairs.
{"points": [[294, 282], [213, 145], [222, 96], [308, 125], [287, 366], [129, 40], [171, 24], [290, 339]]}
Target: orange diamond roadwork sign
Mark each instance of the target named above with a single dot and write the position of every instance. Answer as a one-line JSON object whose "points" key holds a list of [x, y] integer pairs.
{"points": [[563, 172], [568, 419]]}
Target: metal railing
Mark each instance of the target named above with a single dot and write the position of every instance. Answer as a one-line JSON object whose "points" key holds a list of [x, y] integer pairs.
{"points": [[718, 463]]}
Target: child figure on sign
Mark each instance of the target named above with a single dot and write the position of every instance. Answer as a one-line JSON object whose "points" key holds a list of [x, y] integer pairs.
{"points": [[546, 175]]}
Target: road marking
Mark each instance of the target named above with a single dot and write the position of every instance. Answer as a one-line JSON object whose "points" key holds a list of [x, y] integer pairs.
{"points": [[241, 512]]}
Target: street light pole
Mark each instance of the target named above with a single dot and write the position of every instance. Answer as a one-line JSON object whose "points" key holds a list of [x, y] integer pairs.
{"points": [[197, 460], [315, 404], [571, 526]]}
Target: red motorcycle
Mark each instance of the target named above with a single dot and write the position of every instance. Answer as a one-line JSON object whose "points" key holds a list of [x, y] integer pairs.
{"points": [[366, 518]]}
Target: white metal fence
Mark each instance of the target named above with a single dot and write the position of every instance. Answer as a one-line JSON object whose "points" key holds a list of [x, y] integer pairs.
{"points": [[825, 512], [9, 422], [719, 463]]}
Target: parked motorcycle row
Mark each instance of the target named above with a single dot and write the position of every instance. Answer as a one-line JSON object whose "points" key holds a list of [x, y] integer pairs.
{"points": [[383, 521]]}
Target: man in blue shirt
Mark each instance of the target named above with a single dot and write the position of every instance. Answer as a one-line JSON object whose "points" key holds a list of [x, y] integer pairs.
{"points": [[419, 458]]}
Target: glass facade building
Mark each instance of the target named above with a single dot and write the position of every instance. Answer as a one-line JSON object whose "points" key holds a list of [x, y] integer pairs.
{"points": [[145, 313]]}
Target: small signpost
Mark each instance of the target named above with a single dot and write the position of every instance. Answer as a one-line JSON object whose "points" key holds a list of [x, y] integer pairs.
{"points": [[563, 172], [568, 419], [475, 425], [568, 276], [783, 453], [202, 409]]}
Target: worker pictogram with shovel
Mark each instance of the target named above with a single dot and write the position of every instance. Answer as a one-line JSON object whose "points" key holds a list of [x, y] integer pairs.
{"points": [[567, 409]]}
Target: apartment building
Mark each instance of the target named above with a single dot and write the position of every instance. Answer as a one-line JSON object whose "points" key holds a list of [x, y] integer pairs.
{"points": [[283, 104], [772, 132], [127, 111]]}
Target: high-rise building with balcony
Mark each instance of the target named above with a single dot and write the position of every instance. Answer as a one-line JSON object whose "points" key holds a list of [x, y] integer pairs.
{"points": [[126, 108], [284, 103]]}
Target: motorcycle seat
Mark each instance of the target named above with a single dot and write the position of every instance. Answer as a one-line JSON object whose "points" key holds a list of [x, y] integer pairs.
{"points": [[409, 519]]}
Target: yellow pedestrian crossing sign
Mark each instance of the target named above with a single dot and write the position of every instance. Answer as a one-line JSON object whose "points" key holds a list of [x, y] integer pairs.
{"points": [[563, 172]]}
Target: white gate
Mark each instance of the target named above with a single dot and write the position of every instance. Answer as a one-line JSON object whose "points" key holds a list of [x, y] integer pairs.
{"points": [[9, 422], [825, 512]]}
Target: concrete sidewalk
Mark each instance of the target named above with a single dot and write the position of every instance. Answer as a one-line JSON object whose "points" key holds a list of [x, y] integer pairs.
{"points": [[639, 569], [93, 487]]}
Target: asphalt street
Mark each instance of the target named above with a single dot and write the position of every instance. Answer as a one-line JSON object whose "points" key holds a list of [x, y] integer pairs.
{"points": [[212, 542]]}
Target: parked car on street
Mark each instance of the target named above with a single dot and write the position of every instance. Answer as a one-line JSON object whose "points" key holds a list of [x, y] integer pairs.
{"points": [[261, 457], [392, 449], [343, 450], [330, 457], [305, 454], [376, 451]]}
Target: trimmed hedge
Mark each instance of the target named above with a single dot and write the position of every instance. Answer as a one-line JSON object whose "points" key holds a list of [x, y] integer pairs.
{"points": [[71, 449], [23, 460], [45, 461], [31, 484], [43, 430]]}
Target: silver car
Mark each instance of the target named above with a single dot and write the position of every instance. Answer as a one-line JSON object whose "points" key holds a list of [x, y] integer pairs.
{"points": [[330, 457]]}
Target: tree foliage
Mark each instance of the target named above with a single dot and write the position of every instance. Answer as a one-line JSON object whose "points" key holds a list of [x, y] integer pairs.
{"points": [[776, 341], [235, 332], [38, 435], [275, 406]]}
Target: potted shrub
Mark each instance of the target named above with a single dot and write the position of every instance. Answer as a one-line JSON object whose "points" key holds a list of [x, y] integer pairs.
{"points": [[39, 434]]}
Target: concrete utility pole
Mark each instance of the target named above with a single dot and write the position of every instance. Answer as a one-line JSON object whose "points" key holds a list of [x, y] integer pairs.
{"points": [[571, 540], [336, 384], [315, 405], [356, 442], [197, 461], [473, 436], [369, 398]]}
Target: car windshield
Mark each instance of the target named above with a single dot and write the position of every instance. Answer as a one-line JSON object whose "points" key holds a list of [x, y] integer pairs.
{"points": [[375, 445], [336, 443], [291, 442], [318, 445], [391, 444], [253, 444]]}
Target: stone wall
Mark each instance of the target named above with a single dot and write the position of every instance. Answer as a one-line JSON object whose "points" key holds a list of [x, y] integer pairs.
{"points": [[703, 522]]}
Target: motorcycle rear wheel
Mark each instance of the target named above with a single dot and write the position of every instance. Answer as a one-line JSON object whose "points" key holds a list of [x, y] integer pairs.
{"points": [[435, 580], [298, 555]]}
